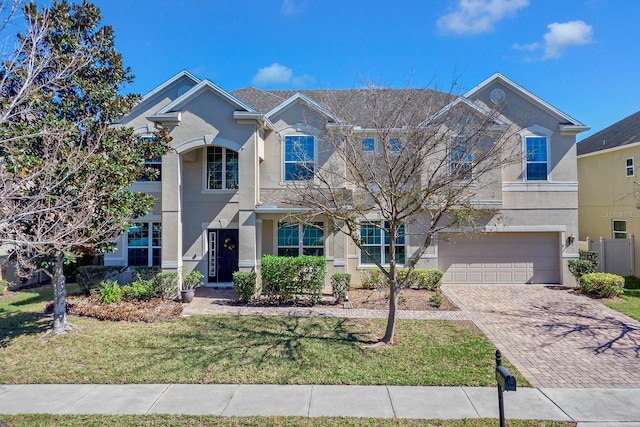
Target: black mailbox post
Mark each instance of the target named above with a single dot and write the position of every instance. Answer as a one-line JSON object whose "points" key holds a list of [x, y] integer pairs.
{"points": [[506, 382]]}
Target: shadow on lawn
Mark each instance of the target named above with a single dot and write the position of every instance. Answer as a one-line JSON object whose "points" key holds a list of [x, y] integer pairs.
{"points": [[22, 323], [276, 348]]}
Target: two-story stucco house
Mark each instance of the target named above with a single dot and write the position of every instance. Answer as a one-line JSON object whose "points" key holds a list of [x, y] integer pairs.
{"points": [[607, 162], [219, 195]]}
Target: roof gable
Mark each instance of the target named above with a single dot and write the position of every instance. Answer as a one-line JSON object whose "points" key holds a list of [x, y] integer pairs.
{"points": [[201, 87], [298, 97], [498, 124], [566, 120], [621, 133]]}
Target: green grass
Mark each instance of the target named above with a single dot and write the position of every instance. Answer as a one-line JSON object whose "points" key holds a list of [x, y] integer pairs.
{"points": [[631, 304], [206, 421], [240, 349]]}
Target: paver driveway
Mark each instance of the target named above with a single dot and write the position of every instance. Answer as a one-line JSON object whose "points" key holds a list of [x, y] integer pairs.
{"points": [[554, 336]]}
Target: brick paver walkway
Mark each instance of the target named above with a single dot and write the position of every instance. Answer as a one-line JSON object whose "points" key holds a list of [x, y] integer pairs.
{"points": [[553, 336]]}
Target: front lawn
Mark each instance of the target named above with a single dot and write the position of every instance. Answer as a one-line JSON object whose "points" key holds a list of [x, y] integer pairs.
{"points": [[239, 349], [631, 304]]}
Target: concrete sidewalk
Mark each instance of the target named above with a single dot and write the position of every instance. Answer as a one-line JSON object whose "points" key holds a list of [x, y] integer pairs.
{"points": [[588, 407]]}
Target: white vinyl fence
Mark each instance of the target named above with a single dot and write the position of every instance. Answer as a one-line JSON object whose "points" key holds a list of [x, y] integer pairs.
{"points": [[615, 255]]}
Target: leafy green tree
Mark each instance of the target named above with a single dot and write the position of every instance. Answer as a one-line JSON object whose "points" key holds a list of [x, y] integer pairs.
{"points": [[65, 168]]}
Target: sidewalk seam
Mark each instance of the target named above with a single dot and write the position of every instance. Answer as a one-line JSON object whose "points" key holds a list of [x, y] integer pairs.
{"points": [[391, 402], [158, 398], [229, 401], [557, 406]]}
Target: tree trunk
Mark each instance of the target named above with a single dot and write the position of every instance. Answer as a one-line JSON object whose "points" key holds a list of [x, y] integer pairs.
{"points": [[393, 313], [59, 297]]}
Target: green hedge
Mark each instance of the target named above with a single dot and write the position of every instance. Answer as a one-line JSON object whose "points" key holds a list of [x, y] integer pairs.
{"points": [[244, 283], [585, 264], [429, 279], [340, 285], [604, 285], [287, 279]]}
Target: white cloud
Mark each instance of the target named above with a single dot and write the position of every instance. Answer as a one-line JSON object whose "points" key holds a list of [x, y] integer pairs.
{"points": [[478, 16], [560, 37], [291, 7], [276, 74]]}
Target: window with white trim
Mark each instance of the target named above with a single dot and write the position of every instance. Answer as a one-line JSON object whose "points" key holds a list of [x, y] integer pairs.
{"points": [[629, 166], [221, 169], [299, 157], [368, 144], [296, 239], [537, 168], [460, 157], [395, 145], [376, 241], [152, 164], [144, 244], [619, 228]]}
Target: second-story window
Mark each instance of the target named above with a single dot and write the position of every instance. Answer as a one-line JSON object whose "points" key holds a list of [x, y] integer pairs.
{"points": [[395, 145], [299, 157], [155, 164], [460, 158], [536, 158], [222, 169], [368, 144]]}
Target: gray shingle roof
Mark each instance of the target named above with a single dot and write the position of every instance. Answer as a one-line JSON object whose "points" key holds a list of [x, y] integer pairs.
{"points": [[623, 132]]}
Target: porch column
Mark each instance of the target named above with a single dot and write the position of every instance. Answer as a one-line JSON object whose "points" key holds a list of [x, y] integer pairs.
{"points": [[247, 235], [258, 240], [172, 213]]}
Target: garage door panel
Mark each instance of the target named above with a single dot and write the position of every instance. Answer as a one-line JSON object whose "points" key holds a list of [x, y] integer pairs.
{"points": [[499, 258]]}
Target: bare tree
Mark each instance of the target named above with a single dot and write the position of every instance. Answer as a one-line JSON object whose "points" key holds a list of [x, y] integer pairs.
{"points": [[404, 164]]}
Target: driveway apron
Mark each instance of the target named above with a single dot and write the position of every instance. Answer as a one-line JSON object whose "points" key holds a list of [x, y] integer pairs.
{"points": [[554, 336]]}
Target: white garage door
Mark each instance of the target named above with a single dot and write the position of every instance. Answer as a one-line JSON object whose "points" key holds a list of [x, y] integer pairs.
{"points": [[499, 257]]}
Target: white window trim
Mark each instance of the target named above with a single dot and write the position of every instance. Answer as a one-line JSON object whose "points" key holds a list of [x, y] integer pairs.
{"points": [[362, 265], [450, 151], [632, 166], [375, 144], [301, 245], [535, 131], [613, 232], [284, 181], [150, 245], [224, 169]]}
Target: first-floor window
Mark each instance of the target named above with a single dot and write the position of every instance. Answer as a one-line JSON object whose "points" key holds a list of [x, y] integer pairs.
{"points": [[144, 242], [222, 169], [300, 239], [376, 241], [619, 229]]}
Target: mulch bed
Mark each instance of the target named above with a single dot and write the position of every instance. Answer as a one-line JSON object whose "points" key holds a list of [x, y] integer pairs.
{"points": [[153, 310], [410, 299]]}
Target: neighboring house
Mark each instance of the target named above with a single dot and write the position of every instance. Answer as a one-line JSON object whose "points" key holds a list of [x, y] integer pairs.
{"points": [[609, 190], [221, 189]]}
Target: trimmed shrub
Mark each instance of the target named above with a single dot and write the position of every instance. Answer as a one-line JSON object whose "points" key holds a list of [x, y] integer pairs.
{"points": [[90, 276], [141, 290], [244, 283], [604, 285], [586, 263], [110, 291], [291, 278], [340, 285], [165, 284], [436, 299], [429, 279], [373, 279]]}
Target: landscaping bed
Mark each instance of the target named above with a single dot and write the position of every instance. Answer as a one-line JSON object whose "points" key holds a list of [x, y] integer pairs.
{"points": [[410, 299], [152, 310]]}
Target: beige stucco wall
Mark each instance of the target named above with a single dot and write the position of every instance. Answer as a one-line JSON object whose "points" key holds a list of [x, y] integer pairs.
{"points": [[605, 194]]}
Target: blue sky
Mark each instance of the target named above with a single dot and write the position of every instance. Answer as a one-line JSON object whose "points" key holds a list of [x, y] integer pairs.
{"points": [[582, 56]]}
